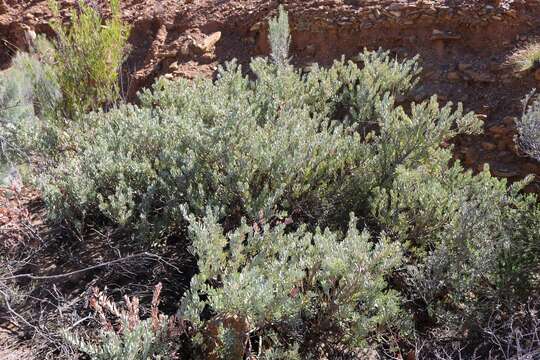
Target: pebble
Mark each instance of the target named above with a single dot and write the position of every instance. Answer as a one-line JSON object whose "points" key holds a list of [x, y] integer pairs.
{"points": [[173, 66], [210, 41], [453, 76], [509, 120], [537, 75], [464, 66], [488, 146]]}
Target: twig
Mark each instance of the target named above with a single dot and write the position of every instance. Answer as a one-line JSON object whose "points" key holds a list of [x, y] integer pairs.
{"points": [[79, 321], [105, 264], [16, 314]]}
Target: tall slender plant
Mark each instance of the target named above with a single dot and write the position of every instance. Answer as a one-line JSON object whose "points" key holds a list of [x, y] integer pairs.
{"points": [[280, 38], [88, 55]]}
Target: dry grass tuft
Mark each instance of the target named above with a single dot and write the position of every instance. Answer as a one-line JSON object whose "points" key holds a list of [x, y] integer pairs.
{"points": [[526, 58]]}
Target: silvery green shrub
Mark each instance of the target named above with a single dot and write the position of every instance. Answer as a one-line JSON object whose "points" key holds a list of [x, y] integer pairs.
{"points": [[290, 287], [28, 91], [16, 106], [317, 147], [473, 240], [528, 127], [271, 144]]}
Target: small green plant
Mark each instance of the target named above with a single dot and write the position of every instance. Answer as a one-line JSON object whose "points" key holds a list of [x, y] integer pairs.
{"points": [[88, 56], [526, 58]]}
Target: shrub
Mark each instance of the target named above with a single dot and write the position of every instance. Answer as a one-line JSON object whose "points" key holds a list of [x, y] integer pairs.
{"points": [[243, 146], [25, 89], [87, 56], [471, 238], [280, 39], [526, 58], [289, 288], [34, 128], [314, 147], [528, 127], [127, 337], [279, 143], [15, 107]]}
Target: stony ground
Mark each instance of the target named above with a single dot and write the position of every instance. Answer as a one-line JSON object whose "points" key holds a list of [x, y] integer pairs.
{"points": [[463, 46]]}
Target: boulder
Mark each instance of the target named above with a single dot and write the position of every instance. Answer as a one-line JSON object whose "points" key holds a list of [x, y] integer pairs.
{"points": [[208, 43]]}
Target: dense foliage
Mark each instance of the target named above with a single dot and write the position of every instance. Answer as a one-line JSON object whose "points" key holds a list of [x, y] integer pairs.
{"points": [[323, 216], [291, 288], [225, 144]]}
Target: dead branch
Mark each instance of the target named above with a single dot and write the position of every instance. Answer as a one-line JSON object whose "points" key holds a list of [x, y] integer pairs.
{"points": [[93, 267]]}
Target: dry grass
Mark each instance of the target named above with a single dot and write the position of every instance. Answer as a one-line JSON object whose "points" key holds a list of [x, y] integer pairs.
{"points": [[526, 58]]}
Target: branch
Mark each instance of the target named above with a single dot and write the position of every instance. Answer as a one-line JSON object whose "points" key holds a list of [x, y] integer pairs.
{"points": [[93, 267]]}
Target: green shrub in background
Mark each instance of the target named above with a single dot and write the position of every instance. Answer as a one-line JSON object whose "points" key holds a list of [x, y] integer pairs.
{"points": [[87, 56], [21, 88], [29, 123], [16, 106], [41, 123]]}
